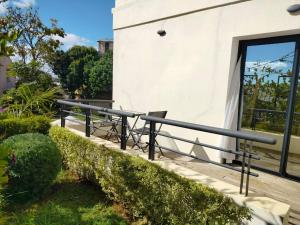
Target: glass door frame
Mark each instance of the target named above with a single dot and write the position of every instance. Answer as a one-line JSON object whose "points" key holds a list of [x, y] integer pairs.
{"points": [[242, 52]]}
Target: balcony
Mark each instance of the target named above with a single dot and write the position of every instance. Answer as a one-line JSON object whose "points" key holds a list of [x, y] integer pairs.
{"points": [[276, 198]]}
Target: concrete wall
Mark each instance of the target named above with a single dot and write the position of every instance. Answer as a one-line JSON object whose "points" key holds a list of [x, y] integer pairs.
{"points": [[187, 72], [5, 82]]}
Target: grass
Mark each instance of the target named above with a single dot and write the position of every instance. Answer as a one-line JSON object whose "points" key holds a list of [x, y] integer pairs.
{"points": [[69, 202]]}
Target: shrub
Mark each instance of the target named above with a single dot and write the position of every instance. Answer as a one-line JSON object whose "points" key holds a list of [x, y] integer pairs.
{"points": [[3, 177], [145, 188], [2, 202], [33, 165], [10, 125], [29, 99]]}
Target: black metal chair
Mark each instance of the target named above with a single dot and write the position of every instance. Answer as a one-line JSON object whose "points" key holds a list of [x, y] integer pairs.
{"points": [[107, 121], [145, 130]]}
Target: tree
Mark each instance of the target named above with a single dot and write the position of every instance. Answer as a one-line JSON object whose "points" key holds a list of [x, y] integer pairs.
{"points": [[73, 69], [60, 67], [36, 45], [79, 52], [5, 40], [30, 72], [100, 79], [83, 72], [33, 42], [37, 41], [7, 37]]}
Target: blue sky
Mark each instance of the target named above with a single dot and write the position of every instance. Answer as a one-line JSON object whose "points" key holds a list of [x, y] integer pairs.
{"points": [[270, 51], [269, 55], [84, 21]]}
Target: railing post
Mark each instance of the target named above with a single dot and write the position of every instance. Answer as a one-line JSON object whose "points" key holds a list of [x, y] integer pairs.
{"points": [[152, 141], [87, 122], [253, 122], [249, 168], [62, 116], [257, 114], [124, 132], [243, 167]]}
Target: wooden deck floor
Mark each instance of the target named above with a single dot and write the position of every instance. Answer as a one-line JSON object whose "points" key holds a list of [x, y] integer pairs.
{"points": [[268, 185]]}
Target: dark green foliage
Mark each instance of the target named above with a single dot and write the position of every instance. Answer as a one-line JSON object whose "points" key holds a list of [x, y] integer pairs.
{"points": [[73, 68], [31, 72], [44, 81], [6, 38], [3, 176], [60, 67], [79, 52], [28, 99], [83, 73], [10, 126], [145, 188], [2, 202], [100, 79], [34, 163]]}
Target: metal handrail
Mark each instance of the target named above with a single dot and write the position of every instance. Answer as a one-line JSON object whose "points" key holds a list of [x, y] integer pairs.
{"points": [[213, 130], [92, 100], [101, 110], [97, 108], [205, 160], [254, 156]]}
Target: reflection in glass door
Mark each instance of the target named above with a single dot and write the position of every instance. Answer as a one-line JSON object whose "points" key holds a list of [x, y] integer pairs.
{"points": [[270, 101], [266, 86]]}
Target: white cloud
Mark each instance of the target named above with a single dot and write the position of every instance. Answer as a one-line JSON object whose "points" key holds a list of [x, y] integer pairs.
{"points": [[272, 65], [3, 7], [18, 3], [72, 39], [24, 3], [15, 58]]}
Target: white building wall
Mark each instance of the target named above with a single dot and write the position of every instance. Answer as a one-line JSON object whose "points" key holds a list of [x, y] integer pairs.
{"points": [[188, 71]]}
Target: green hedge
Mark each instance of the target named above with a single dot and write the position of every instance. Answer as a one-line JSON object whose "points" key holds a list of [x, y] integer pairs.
{"points": [[10, 126], [37, 163], [144, 188]]}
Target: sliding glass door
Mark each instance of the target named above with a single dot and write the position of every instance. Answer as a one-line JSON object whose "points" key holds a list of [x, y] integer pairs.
{"points": [[270, 102]]}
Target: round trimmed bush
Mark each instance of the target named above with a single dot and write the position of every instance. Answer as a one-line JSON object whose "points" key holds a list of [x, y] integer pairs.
{"points": [[34, 162]]}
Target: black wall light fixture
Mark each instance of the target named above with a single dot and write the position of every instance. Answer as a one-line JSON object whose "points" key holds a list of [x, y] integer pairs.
{"points": [[161, 33], [294, 8]]}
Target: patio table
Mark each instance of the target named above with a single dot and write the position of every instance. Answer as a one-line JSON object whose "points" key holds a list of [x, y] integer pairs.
{"points": [[137, 115]]}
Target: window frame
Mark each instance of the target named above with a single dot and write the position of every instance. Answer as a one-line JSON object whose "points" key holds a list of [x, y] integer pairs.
{"points": [[242, 52]]}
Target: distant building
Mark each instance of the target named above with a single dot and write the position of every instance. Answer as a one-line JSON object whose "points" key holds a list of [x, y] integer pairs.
{"points": [[105, 45], [5, 82]]}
